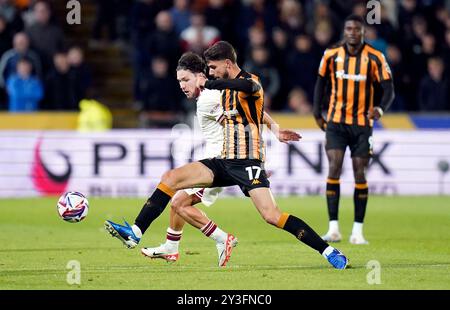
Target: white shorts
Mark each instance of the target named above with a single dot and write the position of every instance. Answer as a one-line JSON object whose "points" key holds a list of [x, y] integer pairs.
{"points": [[207, 195]]}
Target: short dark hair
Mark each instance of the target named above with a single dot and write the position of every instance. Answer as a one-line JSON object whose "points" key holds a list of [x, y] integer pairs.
{"points": [[192, 62], [435, 58], [25, 59], [220, 51], [355, 18]]}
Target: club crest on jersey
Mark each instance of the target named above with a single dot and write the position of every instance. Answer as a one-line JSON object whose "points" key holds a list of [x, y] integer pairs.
{"points": [[215, 109]]}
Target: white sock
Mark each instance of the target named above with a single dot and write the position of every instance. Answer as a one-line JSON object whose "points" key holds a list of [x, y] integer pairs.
{"points": [[137, 231], [327, 251], [357, 229], [172, 244], [173, 234], [219, 235], [333, 226], [212, 231]]}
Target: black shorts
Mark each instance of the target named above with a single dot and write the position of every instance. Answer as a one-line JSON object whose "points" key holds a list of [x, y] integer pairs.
{"points": [[247, 173], [358, 138]]}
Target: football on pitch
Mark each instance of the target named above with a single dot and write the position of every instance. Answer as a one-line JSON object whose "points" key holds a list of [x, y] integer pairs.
{"points": [[73, 207]]}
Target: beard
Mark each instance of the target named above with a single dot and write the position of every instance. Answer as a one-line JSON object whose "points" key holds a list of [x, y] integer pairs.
{"points": [[226, 75]]}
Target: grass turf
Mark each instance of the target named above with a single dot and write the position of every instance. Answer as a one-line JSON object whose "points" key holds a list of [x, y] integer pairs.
{"points": [[409, 237]]}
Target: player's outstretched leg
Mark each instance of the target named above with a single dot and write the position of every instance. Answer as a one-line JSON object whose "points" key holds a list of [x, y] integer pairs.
{"points": [[186, 176], [125, 233], [169, 249], [265, 203], [225, 242], [155, 205]]}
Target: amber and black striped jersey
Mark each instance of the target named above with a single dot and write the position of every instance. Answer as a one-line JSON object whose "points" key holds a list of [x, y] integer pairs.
{"points": [[352, 82], [243, 105]]}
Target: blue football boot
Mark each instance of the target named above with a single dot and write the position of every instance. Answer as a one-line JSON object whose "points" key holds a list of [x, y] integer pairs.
{"points": [[337, 259], [123, 232]]}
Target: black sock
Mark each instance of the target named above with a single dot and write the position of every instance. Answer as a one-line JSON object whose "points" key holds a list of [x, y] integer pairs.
{"points": [[333, 194], [360, 200], [302, 232], [154, 206]]}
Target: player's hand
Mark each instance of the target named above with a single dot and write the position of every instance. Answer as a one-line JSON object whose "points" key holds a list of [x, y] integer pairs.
{"points": [[320, 121], [375, 113], [285, 135], [201, 80]]}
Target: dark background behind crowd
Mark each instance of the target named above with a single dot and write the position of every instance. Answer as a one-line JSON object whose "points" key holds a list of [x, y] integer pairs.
{"points": [[281, 41]]}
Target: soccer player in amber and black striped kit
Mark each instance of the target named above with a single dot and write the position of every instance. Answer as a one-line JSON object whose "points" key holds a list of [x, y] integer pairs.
{"points": [[354, 69], [241, 163]]}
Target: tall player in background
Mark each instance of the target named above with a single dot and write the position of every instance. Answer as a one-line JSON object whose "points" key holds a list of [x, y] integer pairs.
{"points": [[354, 68], [210, 116]]}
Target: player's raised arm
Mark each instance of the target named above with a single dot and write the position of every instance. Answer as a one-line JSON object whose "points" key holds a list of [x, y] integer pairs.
{"points": [[283, 135], [244, 85]]}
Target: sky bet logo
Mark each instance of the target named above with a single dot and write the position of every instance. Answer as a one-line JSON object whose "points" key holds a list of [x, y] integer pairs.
{"points": [[354, 77], [74, 15]]}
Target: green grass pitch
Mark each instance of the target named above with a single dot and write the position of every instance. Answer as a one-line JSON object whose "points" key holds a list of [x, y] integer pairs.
{"points": [[409, 237]]}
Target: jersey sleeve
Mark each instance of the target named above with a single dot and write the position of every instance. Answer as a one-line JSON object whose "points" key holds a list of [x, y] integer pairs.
{"points": [[248, 85], [256, 83], [324, 67], [381, 70]]}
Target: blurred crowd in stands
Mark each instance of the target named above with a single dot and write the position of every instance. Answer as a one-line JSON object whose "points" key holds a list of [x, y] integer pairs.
{"points": [[38, 70], [281, 41]]}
